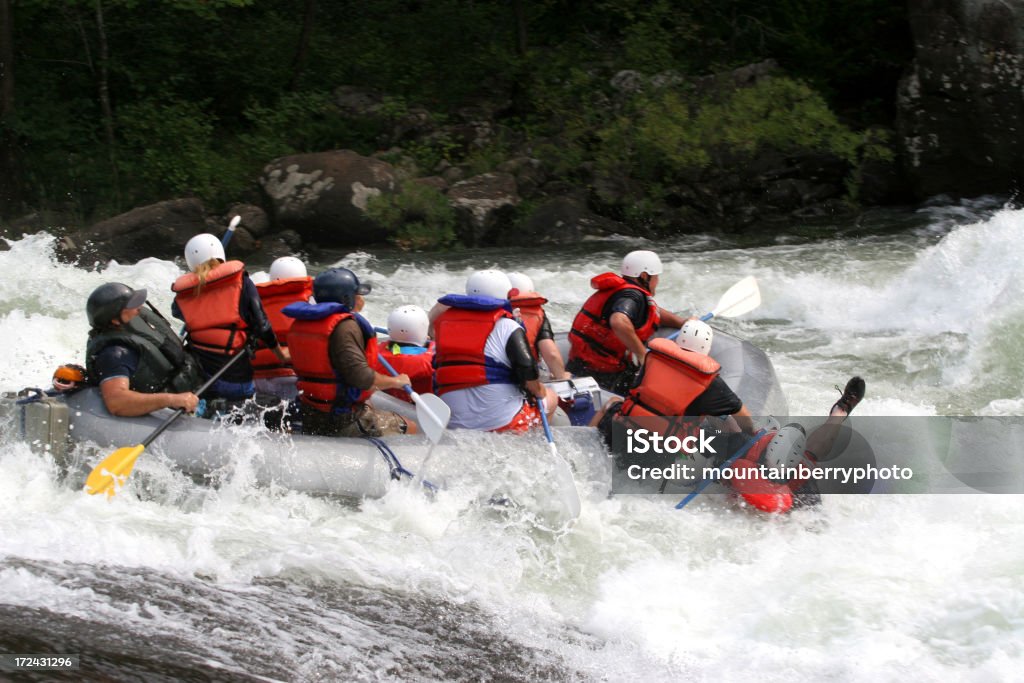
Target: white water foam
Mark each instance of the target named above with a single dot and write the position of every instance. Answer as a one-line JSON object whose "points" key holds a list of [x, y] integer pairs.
{"points": [[867, 588]]}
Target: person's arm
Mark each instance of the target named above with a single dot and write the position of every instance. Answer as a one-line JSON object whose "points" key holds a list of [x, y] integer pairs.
{"points": [[348, 358], [433, 314], [524, 367], [670, 319], [744, 420], [251, 308], [548, 350], [122, 401], [552, 358], [623, 328]]}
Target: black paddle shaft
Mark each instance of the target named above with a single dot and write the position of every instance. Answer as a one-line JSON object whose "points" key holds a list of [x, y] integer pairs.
{"points": [[181, 411]]}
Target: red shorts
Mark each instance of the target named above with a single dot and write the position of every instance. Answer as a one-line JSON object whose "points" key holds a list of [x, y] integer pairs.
{"points": [[526, 418]]}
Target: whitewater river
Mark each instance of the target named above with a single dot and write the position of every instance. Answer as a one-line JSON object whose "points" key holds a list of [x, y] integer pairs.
{"points": [[178, 581]]}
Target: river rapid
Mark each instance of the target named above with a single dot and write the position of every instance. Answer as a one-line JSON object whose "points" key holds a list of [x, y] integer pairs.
{"points": [[174, 580]]}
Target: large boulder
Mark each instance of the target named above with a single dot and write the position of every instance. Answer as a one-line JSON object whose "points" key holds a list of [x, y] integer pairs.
{"points": [[159, 230], [563, 220], [485, 207], [323, 196], [960, 106]]}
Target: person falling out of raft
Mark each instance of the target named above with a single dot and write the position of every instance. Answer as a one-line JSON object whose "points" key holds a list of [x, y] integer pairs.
{"points": [[334, 352], [221, 309], [287, 284], [528, 309], [616, 322], [483, 366], [134, 356], [408, 350], [681, 380]]}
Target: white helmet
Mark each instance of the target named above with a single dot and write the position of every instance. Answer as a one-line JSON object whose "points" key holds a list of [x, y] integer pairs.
{"points": [[201, 249], [492, 283], [787, 447], [408, 324], [259, 277], [696, 336], [521, 282], [637, 262], [287, 267]]}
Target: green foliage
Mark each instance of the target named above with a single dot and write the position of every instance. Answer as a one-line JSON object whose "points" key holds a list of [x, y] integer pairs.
{"points": [[170, 147], [295, 122], [418, 217], [204, 92], [667, 135]]}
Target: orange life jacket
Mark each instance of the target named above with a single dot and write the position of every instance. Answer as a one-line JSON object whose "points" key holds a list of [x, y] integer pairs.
{"points": [[211, 313], [461, 333], [419, 367], [670, 381], [319, 386], [592, 340], [275, 295], [530, 306]]}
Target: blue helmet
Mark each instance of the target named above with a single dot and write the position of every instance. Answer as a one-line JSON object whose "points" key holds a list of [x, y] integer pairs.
{"points": [[338, 285]]}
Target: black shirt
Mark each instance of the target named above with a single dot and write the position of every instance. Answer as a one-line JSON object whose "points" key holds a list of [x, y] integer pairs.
{"points": [[717, 400], [116, 360], [630, 302]]}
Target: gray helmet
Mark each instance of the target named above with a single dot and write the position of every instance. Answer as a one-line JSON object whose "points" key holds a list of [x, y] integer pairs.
{"points": [[338, 285], [107, 301]]}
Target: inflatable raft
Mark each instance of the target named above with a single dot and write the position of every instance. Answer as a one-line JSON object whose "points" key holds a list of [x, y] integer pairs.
{"points": [[310, 464]]}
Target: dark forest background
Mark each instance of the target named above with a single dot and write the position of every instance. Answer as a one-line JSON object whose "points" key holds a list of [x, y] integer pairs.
{"points": [[109, 104]]}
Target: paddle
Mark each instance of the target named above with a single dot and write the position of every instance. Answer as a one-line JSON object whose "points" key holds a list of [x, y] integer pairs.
{"points": [[116, 467], [707, 482], [226, 237], [742, 297], [432, 413], [564, 472]]}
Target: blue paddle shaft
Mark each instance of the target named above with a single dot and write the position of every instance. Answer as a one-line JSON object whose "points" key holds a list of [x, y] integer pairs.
{"points": [[704, 318], [394, 373], [703, 485], [544, 420]]}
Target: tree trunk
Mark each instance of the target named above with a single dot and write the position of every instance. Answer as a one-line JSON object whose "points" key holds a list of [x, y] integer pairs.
{"points": [[103, 86], [299, 62], [10, 185]]}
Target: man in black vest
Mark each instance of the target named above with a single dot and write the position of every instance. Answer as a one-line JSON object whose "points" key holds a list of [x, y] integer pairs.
{"points": [[134, 355]]}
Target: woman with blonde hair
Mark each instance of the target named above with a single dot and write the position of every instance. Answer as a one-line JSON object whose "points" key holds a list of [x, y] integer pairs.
{"points": [[222, 312]]}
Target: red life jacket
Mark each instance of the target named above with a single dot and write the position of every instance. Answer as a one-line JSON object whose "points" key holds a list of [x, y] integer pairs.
{"points": [[762, 494], [211, 313], [591, 339], [461, 333], [275, 295], [319, 386], [419, 367], [531, 314]]}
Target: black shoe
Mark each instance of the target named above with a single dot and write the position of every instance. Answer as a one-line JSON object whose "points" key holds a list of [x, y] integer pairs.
{"points": [[852, 395]]}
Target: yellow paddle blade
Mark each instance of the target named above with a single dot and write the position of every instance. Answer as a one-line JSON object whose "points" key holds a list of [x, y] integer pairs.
{"points": [[112, 472]]}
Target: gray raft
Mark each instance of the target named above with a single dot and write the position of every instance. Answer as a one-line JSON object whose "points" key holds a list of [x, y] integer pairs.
{"points": [[309, 464]]}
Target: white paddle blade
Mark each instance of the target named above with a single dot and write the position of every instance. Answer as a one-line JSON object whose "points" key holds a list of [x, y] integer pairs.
{"points": [[432, 414], [742, 297], [234, 222], [567, 484]]}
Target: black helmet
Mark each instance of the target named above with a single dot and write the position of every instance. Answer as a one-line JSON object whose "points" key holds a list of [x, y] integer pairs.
{"points": [[338, 285], [107, 301]]}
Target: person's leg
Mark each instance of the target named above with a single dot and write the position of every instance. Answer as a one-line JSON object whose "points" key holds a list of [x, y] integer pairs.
{"points": [[821, 440]]}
